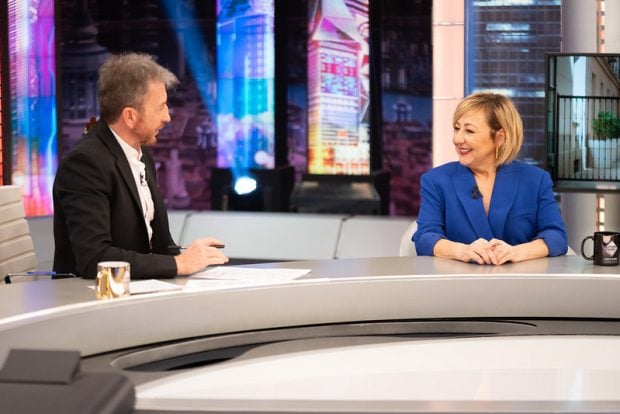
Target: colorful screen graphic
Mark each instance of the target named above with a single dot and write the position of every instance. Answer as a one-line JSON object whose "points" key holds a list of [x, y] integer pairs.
{"points": [[1, 140], [32, 82], [338, 88], [338, 75], [245, 84]]}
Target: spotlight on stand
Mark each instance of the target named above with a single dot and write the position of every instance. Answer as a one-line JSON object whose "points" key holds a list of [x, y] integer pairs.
{"points": [[243, 194], [343, 194], [244, 185], [252, 190]]}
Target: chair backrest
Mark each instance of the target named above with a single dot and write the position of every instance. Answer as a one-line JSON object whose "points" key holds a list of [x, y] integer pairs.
{"points": [[406, 244], [371, 236], [16, 247], [268, 236]]}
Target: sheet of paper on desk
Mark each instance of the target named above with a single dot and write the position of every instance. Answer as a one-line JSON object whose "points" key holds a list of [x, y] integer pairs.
{"points": [[201, 283], [251, 275], [151, 286]]}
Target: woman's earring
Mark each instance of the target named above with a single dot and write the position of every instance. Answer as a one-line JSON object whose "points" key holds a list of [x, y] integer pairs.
{"points": [[496, 153]]}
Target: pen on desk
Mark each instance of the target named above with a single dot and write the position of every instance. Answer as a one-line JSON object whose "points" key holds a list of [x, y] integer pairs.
{"points": [[54, 275], [174, 246]]}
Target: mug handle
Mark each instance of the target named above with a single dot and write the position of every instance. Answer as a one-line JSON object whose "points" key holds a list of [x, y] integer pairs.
{"points": [[583, 242]]}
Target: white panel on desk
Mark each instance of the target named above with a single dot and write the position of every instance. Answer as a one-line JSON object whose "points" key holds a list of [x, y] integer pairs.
{"points": [[367, 236], [268, 236]]}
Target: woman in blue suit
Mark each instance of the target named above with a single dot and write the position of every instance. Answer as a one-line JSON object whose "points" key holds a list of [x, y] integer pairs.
{"points": [[488, 208]]}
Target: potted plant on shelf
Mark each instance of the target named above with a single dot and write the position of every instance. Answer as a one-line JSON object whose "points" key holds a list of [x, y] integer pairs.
{"points": [[606, 125], [604, 146]]}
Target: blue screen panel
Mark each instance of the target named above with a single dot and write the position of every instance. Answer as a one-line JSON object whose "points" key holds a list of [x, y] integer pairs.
{"points": [[245, 85]]}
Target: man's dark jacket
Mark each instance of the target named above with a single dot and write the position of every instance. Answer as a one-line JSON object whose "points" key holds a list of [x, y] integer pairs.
{"points": [[98, 215]]}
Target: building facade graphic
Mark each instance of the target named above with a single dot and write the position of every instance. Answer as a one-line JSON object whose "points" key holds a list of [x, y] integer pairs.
{"points": [[338, 88]]}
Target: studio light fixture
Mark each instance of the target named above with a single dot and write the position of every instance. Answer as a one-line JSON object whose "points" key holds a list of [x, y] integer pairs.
{"points": [[244, 185]]}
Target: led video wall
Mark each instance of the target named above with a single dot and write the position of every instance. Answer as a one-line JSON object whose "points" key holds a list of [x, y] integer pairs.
{"points": [[245, 85], [1, 128], [182, 36], [32, 80], [338, 87]]}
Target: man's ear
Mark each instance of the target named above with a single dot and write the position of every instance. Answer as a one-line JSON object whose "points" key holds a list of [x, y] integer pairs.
{"points": [[129, 116]]}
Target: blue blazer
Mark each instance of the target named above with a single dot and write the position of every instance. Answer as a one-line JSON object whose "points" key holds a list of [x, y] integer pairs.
{"points": [[522, 208]]}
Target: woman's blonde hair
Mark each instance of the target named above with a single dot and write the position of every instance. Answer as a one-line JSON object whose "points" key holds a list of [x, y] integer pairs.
{"points": [[501, 114]]}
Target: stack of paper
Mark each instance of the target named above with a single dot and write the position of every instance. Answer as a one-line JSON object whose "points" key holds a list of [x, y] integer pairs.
{"points": [[150, 286], [235, 276]]}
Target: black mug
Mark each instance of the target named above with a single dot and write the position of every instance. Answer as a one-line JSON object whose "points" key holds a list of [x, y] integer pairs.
{"points": [[606, 248]]}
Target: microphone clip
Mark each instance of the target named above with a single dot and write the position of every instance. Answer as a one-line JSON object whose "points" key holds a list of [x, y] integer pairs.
{"points": [[475, 193], [143, 182]]}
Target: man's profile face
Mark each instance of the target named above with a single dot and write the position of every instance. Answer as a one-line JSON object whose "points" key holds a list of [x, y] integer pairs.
{"points": [[153, 115]]}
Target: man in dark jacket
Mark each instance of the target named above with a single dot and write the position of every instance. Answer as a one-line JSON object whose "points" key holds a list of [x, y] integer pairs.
{"points": [[106, 202]]}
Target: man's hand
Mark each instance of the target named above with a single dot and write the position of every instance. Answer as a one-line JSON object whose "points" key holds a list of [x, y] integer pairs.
{"points": [[199, 255]]}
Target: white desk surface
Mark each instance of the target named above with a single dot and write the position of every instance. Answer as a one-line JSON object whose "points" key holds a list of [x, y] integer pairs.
{"points": [[20, 298], [63, 314]]}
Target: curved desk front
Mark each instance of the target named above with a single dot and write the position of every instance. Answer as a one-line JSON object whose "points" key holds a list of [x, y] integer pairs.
{"points": [[401, 334]]}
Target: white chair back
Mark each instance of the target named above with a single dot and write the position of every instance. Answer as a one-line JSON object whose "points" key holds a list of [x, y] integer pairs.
{"points": [[407, 247], [371, 236], [268, 236], [16, 248]]}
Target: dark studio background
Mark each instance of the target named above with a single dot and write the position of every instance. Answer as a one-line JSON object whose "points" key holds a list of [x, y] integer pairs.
{"points": [[186, 150]]}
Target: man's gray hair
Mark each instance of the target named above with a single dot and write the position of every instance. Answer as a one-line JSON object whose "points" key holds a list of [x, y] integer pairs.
{"points": [[124, 80]]}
